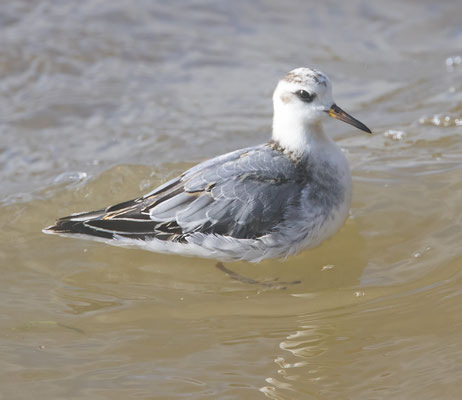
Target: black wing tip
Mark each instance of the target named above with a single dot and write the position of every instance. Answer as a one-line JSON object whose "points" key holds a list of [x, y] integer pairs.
{"points": [[72, 223], [62, 226], [71, 227]]}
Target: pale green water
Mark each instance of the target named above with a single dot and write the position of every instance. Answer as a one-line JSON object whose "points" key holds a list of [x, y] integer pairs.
{"points": [[102, 101]]}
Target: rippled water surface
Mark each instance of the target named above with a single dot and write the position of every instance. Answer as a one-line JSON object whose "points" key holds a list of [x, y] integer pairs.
{"points": [[101, 101]]}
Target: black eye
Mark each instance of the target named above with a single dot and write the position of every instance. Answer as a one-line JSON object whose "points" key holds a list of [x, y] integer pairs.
{"points": [[305, 96]]}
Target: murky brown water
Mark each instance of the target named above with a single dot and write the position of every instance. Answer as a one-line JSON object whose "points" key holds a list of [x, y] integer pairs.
{"points": [[100, 101]]}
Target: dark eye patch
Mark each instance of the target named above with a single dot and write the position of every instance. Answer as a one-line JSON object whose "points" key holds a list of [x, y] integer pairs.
{"points": [[305, 96]]}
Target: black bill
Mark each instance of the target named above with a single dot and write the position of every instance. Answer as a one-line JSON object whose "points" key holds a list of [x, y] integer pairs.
{"points": [[336, 112]]}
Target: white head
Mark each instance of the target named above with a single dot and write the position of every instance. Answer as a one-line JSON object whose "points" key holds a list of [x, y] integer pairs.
{"points": [[301, 100]]}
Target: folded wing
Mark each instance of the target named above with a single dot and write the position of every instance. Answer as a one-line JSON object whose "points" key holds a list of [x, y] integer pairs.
{"points": [[244, 194]]}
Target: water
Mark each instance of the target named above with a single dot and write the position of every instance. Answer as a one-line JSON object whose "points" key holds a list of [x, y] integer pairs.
{"points": [[102, 101]]}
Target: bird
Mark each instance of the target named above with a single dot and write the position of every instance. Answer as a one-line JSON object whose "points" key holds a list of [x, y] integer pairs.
{"points": [[266, 201]]}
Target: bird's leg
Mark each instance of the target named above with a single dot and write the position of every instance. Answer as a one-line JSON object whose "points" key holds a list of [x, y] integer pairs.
{"points": [[274, 284]]}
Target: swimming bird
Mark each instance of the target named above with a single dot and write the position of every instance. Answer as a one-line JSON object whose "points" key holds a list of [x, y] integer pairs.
{"points": [[265, 201]]}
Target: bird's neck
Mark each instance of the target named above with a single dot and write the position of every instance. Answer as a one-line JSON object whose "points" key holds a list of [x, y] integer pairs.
{"points": [[297, 137]]}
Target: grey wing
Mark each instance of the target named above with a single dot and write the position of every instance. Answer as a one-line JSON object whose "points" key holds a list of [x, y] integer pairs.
{"points": [[246, 198], [244, 194]]}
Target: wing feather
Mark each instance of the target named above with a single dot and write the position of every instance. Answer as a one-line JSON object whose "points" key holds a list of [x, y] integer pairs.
{"points": [[243, 194]]}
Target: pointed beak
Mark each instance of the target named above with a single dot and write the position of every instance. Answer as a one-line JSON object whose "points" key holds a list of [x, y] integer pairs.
{"points": [[336, 112]]}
